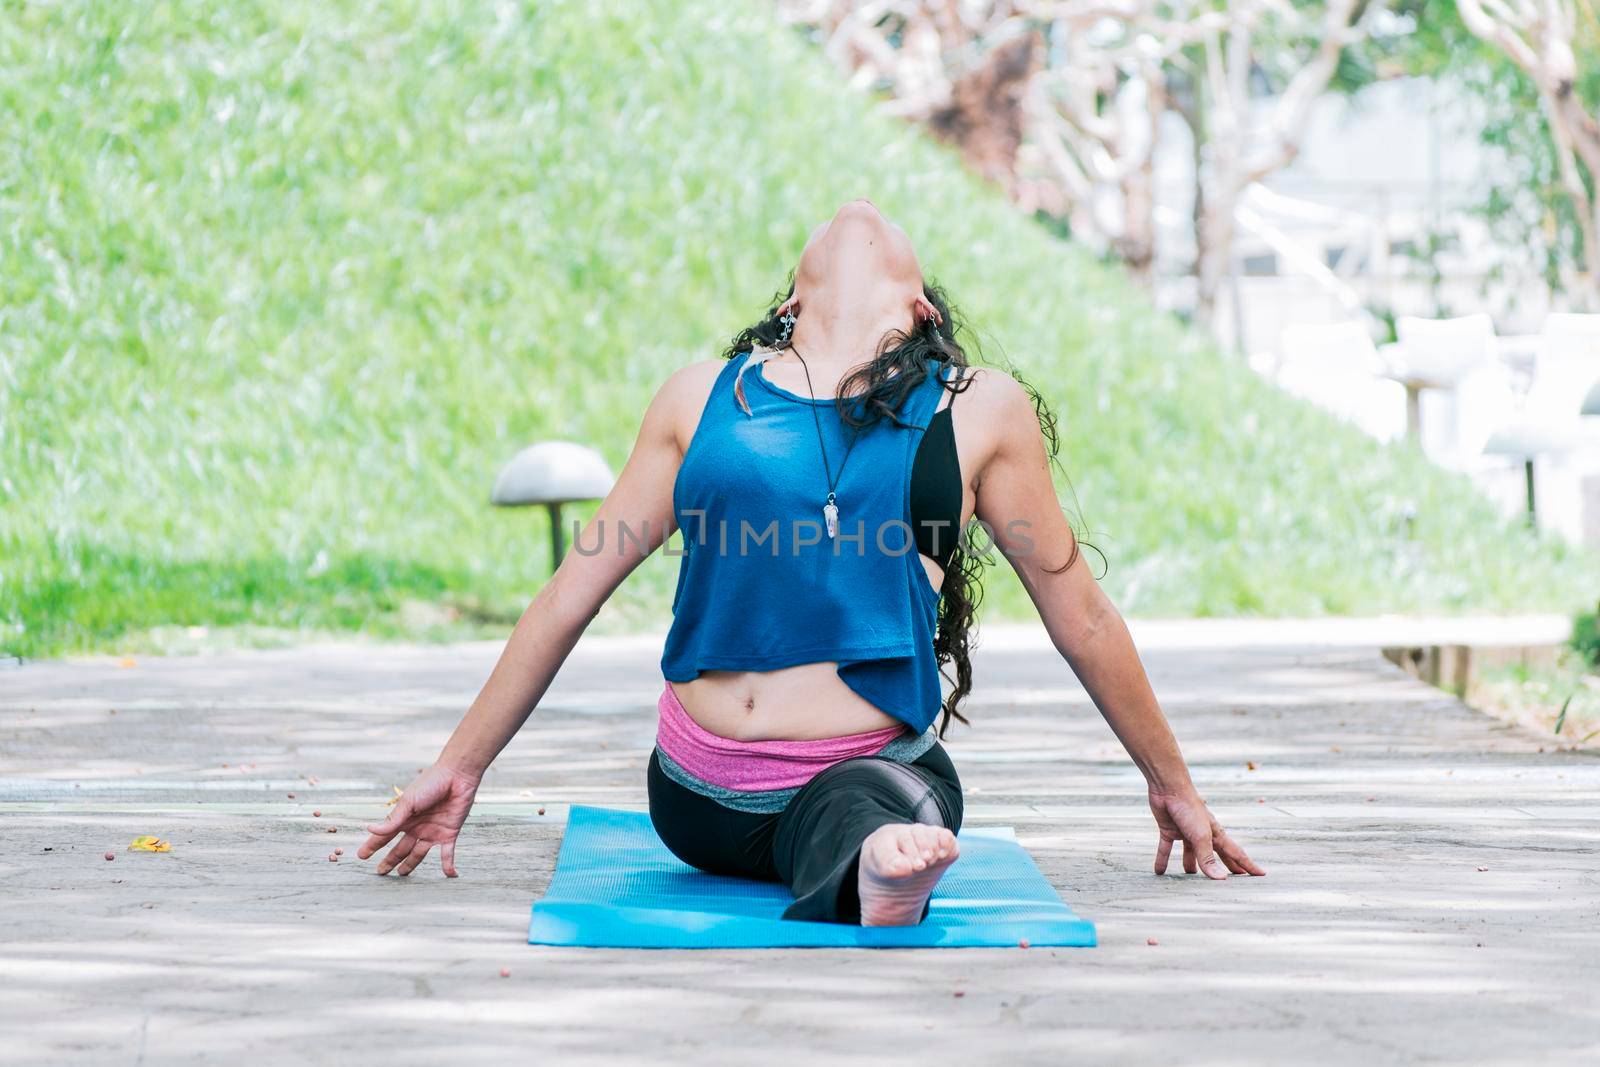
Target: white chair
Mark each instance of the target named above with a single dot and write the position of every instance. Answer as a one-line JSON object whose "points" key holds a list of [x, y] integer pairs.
{"points": [[1567, 365], [1336, 366], [1443, 350], [1574, 327], [1578, 335], [1468, 391], [1569, 359], [1547, 424]]}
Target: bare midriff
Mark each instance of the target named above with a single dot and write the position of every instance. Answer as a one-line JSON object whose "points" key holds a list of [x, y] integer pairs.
{"points": [[800, 703]]}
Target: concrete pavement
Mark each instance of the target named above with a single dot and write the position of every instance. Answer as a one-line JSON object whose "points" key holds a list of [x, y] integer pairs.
{"points": [[1433, 889]]}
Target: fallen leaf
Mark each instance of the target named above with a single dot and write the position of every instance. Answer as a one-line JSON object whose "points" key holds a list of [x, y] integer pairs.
{"points": [[1250, 765], [146, 843], [127, 661]]}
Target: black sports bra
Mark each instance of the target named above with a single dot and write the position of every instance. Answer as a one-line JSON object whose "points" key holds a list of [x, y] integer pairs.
{"points": [[936, 490]]}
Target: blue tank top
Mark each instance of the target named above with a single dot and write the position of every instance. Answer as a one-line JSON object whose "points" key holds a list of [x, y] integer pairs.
{"points": [[761, 586]]}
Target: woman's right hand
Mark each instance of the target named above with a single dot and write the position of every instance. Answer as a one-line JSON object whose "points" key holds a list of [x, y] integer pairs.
{"points": [[430, 812]]}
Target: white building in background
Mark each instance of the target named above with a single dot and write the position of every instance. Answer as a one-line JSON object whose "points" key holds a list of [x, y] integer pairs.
{"points": [[1343, 235]]}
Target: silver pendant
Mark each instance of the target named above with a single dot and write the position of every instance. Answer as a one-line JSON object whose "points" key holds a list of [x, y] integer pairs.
{"points": [[830, 516]]}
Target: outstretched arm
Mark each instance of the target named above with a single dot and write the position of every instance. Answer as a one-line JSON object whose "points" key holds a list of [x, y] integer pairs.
{"points": [[433, 808], [1016, 499]]}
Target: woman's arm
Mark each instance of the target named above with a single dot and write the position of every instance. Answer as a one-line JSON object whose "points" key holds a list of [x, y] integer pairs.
{"points": [[433, 808], [1016, 499]]}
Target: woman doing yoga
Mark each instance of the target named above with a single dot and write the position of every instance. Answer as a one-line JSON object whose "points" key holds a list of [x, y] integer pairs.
{"points": [[821, 475]]}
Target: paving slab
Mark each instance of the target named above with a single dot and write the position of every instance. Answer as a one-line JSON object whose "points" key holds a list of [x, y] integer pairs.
{"points": [[1433, 893]]}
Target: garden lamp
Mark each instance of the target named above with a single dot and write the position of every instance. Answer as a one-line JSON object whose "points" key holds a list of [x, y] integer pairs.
{"points": [[552, 473]]}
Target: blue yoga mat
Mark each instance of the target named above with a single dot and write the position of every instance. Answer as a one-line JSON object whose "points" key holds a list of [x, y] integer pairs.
{"points": [[617, 886]]}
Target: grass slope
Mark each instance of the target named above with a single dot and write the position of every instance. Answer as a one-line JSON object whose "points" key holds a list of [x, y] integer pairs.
{"points": [[282, 283]]}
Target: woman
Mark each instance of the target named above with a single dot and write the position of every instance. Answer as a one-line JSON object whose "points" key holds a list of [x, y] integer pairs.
{"points": [[819, 491]]}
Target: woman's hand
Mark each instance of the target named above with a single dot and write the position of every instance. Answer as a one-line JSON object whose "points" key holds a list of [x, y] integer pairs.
{"points": [[430, 812], [1183, 816]]}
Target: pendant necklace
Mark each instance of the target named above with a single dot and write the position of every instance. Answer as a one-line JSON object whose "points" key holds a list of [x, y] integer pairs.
{"points": [[830, 506]]}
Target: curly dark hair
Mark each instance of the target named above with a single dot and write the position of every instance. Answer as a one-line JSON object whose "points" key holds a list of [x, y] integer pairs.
{"points": [[876, 389]]}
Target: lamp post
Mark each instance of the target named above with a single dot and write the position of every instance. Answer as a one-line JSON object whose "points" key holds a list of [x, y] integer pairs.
{"points": [[1525, 441], [552, 473]]}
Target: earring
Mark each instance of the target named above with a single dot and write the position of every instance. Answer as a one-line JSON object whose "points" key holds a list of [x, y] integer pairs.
{"points": [[786, 324]]}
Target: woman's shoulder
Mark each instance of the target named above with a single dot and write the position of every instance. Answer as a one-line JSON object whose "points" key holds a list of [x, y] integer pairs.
{"points": [[682, 397], [697, 375], [690, 384], [994, 392], [993, 416]]}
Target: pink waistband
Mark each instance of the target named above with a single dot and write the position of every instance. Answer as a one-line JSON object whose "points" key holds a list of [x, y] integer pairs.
{"points": [[755, 765]]}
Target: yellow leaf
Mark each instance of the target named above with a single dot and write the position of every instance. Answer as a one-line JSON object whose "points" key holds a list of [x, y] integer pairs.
{"points": [[149, 844]]}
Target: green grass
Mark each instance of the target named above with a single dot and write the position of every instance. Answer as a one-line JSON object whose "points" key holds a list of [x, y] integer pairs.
{"points": [[1559, 698], [282, 284]]}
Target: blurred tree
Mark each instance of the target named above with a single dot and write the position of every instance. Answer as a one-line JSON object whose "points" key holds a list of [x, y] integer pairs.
{"points": [[1062, 102], [1542, 38], [1248, 87], [1094, 114], [1527, 197]]}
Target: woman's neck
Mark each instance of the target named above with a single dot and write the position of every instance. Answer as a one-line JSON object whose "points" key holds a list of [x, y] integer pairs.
{"points": [[846, 336]]}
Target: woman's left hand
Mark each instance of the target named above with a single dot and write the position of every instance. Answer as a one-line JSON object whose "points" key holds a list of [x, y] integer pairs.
{"points": [[1207, 848]]}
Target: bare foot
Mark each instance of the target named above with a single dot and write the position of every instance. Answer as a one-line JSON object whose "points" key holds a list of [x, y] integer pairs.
{"points": [[900, 865]]}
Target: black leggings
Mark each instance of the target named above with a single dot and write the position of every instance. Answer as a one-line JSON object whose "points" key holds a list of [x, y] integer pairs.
{"points": [[814, 844]]}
